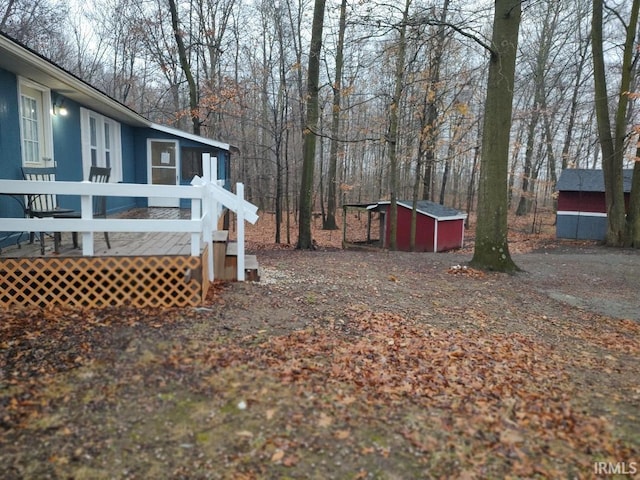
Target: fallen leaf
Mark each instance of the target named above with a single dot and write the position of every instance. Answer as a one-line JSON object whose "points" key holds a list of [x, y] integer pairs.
{"points": [[277, 456], [324, 420], [290, 461], [348, 400], [510, 437]]}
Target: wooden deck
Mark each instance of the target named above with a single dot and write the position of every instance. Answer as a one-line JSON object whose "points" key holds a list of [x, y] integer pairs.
{"points": [[122, 243], [140, 269]]}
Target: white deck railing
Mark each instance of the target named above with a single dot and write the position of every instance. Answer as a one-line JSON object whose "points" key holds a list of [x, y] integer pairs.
{"points": [[207, 199]]}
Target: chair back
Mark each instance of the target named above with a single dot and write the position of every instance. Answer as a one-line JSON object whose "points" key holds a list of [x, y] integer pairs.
{"points": [[99, 175], [40, 202]]}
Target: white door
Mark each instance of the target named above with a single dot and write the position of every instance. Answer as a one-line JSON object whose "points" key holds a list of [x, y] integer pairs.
{"points": [[164, 162]]}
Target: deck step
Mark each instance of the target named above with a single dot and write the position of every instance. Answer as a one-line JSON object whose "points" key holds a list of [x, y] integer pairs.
{"points": [[220, 236], [225, 258]]}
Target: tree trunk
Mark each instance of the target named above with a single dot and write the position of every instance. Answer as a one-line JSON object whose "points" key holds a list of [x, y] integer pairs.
{"points": [[575, 97], [612, 144], [515, 153], [633, 217], [524, 205], [309, 137], [392, 137], [491, 250], [186, 69], [330, 222], [430, 126]]}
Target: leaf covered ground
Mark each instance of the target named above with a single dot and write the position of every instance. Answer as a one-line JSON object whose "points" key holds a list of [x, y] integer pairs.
{"points": [[339, 364]]}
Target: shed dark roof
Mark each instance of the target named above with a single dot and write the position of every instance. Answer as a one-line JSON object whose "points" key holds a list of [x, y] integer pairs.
{"points": [[588, 180], [434, 209], [431, 209]]}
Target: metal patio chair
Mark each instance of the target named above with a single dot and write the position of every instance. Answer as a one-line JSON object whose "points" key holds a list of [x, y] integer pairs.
{"points": [[96, 175], [43, 205]]}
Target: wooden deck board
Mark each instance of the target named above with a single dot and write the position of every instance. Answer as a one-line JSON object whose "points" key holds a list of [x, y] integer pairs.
{"points": [[122, 243]]}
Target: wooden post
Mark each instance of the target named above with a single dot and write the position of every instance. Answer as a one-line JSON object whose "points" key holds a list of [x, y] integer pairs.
{"points": [[240, 227], [86, 213], [344, 225], [195, 236], [210, 208]]}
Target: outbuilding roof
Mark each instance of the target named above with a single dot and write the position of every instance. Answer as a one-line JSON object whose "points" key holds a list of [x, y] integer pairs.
{"points": [[431, 209], [588, 180]]}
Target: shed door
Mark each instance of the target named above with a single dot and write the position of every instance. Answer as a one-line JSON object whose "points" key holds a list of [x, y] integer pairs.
{"points": [[164, 163]]}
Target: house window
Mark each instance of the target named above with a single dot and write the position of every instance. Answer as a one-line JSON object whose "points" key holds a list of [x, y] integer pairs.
{"points": [[101, 143], [107, 145], [35, 124], [93, 133]]}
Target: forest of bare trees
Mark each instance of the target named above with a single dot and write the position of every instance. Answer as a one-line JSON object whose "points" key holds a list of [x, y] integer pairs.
{"points": [[401, 91]]}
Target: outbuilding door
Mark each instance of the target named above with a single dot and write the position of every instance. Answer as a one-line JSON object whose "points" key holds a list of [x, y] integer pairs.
{"points": [[164, 168]]}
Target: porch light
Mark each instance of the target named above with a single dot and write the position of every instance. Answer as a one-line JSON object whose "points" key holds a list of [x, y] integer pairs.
{"points": [[59, 108]]}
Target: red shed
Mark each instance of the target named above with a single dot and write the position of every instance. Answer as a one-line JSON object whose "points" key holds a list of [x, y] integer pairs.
{"points": [[438, 228]]}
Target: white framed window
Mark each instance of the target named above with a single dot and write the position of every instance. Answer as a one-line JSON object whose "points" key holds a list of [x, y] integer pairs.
{"points": [[101, 145], [36, 135]]}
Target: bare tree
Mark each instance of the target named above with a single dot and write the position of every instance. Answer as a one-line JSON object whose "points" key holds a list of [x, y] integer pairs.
{"points": [[37, 24], [329, 223], [491, 249], [305, 240], [612, 137]]}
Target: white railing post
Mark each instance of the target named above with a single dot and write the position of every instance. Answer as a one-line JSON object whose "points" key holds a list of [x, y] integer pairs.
{"points": [[240, 226], [215, 206], [86, 213], [208, 227], [195, 236], [209, 174]]}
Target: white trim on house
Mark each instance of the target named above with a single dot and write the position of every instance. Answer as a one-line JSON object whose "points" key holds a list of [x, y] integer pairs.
{"points": [[41, 95], [164, 163], [100, 147], [23, 62], [190, 136]]}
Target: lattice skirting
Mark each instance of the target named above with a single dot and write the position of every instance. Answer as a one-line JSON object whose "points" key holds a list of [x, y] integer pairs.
{"points": [[95, 282]]}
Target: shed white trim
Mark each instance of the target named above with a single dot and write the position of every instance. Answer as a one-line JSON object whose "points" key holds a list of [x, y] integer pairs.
{"points": [[581, 214]]}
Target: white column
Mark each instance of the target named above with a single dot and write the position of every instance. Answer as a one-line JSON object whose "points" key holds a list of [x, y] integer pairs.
{"points": [[195, 237], [86, 213], [240, 227]]}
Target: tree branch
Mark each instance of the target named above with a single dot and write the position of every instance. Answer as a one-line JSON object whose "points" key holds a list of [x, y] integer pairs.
{"points": [[437, 23]]}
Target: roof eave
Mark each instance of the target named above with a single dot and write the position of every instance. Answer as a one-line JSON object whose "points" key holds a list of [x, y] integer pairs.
{"points": [[22, 61], [196, 138]]}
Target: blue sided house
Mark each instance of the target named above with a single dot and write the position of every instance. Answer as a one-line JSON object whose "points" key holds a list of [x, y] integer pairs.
{"points": [[49, 117]]}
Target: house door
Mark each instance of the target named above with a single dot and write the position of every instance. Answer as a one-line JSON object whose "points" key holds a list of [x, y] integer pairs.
{"points": [[163, 169]]}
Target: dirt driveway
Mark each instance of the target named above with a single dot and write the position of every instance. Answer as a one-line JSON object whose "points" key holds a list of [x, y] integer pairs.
{"points": [[598, 279], [338, 364]]}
